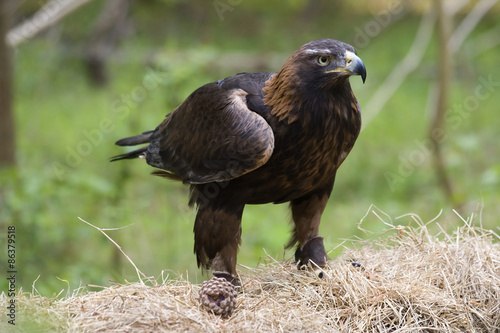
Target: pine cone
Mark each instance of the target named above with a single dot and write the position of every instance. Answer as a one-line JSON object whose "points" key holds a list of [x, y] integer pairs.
{"points": [[219, 296]]}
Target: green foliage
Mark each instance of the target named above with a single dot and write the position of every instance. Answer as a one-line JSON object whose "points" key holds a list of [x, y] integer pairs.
{"points": [[66, 131]]}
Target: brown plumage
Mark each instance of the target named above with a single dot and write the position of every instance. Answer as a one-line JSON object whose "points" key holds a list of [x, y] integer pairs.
{"points": [[255, 138]]}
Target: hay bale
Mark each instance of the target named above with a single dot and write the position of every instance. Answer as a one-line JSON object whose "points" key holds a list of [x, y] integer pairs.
{"points": [[408, 281]]}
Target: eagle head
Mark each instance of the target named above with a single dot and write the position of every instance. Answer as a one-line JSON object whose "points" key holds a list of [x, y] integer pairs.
{"points": [[324, 61], [316, 69]]}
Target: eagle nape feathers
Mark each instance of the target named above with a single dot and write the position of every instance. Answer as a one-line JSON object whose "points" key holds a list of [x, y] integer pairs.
{"points": [[256, 138]]}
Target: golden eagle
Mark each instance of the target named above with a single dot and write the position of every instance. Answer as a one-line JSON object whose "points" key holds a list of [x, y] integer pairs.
{"points": [[255, 138]]}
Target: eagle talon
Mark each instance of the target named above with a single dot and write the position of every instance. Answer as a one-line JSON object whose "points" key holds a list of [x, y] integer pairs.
{"points": [[229, 277], [312, 267], [312, 252], [356, 265]]}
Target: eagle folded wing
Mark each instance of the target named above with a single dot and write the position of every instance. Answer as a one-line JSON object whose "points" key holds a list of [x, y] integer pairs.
{"points": [[212, 137]]}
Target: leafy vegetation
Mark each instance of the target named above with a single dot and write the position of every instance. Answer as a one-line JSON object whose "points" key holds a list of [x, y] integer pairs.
{"points": [[66, 129]]}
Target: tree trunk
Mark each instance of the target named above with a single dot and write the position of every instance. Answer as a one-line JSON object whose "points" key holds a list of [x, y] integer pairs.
{"points": [[438, 127], [7, 142]]}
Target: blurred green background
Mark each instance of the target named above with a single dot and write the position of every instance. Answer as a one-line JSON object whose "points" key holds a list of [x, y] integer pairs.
{"points": [[70, 108]]}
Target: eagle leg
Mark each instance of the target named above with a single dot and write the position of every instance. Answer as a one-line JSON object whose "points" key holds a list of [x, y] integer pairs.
{"points": [[217, 236], [306, 214]]}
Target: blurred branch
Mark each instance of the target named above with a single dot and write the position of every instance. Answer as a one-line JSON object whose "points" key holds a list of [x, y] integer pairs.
{"points": [[46, 16], [417, 50], [402, 69], [484, 42], [469, 23], [453, 7]]}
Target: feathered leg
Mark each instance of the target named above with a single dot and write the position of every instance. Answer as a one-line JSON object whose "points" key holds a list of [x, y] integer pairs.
{"points": [[306, 214], [217, 235]]}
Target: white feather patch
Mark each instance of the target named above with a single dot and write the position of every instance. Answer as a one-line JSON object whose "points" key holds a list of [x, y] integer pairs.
{"points": [[317, 51]]}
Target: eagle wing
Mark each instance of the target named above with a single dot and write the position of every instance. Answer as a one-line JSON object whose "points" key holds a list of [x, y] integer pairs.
{"points": [[213, 136]]}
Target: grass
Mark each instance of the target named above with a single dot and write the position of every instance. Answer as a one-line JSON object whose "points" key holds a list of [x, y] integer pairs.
{"points": [[409, 280], [59, 112]]}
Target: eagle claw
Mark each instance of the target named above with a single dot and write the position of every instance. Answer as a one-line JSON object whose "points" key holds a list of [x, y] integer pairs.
{"points": [[312, 251], [229, 277]]}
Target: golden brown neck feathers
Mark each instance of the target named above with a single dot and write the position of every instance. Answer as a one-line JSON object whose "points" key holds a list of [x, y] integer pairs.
{"points": [[297, 90], [281, 92]]}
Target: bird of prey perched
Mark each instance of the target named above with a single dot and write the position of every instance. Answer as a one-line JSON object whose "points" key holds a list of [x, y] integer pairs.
{"points": [[255, 138]]}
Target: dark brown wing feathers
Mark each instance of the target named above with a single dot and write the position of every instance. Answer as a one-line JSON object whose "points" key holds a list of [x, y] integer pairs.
{"points": [[212, 136]]}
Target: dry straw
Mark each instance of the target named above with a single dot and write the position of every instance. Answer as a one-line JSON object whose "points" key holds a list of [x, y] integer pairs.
{"points": [[409, 281]]}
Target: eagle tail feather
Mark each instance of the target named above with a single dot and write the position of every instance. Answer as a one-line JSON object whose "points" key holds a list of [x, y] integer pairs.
{"points": [[141, 152], [132, 141], [135, 140], [168, 175]]}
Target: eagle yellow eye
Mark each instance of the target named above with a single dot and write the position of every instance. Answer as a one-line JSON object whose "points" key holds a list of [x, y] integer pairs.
{"points": [[323, 60]]}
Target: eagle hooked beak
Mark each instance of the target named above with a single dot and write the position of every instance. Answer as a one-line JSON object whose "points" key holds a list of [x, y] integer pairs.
{"points": [[353, 66]]}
